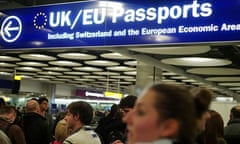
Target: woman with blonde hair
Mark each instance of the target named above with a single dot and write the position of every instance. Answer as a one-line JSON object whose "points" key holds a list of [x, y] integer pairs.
{"points": [[61, 132]]}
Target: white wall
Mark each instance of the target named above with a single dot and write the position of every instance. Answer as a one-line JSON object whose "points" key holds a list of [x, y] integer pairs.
{"points": [[223, 108], [33, 86], [65, 90]]}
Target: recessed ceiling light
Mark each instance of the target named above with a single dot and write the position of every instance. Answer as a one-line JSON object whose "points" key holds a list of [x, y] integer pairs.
{"points": [[77, 56], [185, 50], [235, 88], [131, 80], [38, 57], [5, 73], [121, 68], [179, 77], [214, 71], [76, 73], [26, 77], [168, 74], [229, 84], [198, 83], [25, 73], [61, 79], [49, 73], [64, 63], [102, 63], [28, 69], [82, 79], [196, 61], [3, 64], [8, 58], [122, 77], [108, 80], [226, 79], [68, 76], [106, 73], [45, 76], [42, 79], [114, 56], [90, 69], [59, 69], [131, 63], [123, 82], [94, 77], [6, 70], [38, 64], [131, 73], [189, 80]]}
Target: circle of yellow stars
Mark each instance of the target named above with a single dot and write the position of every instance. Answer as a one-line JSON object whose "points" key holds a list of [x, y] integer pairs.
{"points": [[37, 26]]}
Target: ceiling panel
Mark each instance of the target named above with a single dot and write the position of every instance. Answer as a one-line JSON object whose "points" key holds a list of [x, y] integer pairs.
{"points": [[185, 50], [196, 61]]}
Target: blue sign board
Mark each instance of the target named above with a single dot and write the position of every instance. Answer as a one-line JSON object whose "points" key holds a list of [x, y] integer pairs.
{"points": [[118, 23]]}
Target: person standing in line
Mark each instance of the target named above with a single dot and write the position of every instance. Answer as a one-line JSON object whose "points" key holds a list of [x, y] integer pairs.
{"points": [[79, 115], [126, 105], [163, 114], [43, 103], [13, 131], [213, 133], [202, 100], [232, 130], [35, 125]]}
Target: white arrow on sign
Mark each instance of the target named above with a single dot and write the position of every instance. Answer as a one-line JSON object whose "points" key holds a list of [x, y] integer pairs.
{"points": [[8, 28]]}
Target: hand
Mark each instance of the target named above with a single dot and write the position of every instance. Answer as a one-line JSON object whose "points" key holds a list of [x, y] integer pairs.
{"points": [[117, 142]]}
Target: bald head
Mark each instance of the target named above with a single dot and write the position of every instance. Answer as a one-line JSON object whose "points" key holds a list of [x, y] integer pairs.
{"points": [[32, 106]]}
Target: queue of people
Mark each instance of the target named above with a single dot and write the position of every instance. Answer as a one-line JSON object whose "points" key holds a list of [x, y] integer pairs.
{"points": [[162, 114]]}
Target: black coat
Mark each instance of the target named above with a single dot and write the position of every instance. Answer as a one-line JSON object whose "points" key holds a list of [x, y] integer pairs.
{"points": [[36, 129], [232, 132]]}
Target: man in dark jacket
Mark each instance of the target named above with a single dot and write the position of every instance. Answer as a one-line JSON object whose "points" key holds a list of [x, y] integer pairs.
{"points": [[232, 130], [35, 125]]}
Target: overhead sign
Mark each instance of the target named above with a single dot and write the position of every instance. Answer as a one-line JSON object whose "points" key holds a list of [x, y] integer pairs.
{"points": [[113, 95], [118, 23]]}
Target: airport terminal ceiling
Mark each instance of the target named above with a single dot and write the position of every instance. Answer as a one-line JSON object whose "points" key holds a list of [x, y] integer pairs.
{"points": [[216, 66]]}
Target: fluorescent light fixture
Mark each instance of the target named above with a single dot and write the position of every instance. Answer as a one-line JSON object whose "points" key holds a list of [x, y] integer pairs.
{"points": [[87, 93], [225, 99]]}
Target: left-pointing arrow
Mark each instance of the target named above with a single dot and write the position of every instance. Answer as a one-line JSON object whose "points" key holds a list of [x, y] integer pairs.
{"points": [[8, 28]]}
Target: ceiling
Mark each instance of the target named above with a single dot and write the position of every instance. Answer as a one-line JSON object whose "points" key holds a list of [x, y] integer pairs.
{"points": [[103, 69]]}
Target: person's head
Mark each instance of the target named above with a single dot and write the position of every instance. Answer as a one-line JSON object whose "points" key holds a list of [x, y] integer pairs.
{"points": [[114, 110], [32, 106], [2, 102], [78, 114], [8, 112], [214, 128], [43, 103], [162, 111], [202, 99], [235, 113], [127, 103], [61, 131]]}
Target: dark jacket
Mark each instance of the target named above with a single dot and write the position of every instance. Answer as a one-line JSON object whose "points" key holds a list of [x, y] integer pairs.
{"points": [[13, 131], [232, 131], [111, 129], [36, 129]]}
